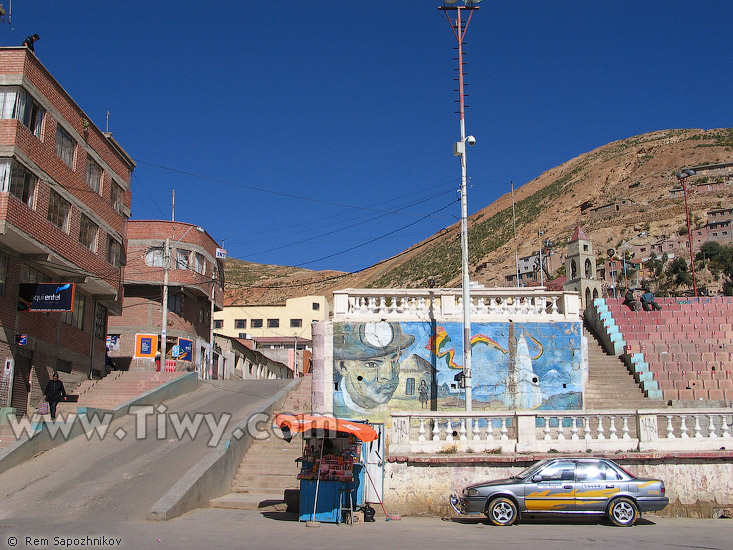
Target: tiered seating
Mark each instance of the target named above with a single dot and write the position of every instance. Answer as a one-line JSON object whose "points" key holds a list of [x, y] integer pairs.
{"points": [[684, 351]]}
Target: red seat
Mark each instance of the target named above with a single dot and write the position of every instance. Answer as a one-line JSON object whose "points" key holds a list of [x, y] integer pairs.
{"points": [[672, 395], [685, 395], [700, 394]]}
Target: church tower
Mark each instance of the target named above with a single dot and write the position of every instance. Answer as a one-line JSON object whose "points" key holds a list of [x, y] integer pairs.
{"points": [[580, 268]]}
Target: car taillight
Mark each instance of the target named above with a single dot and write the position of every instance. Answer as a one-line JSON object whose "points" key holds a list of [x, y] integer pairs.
{"points": [[663, 489]]}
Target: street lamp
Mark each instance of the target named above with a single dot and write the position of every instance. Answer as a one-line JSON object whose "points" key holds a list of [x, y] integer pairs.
{"points": [[682, 177], [166, 269], [454, 17]]}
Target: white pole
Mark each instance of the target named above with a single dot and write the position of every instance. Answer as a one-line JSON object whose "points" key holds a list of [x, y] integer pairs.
{"points": [[514, 223]]}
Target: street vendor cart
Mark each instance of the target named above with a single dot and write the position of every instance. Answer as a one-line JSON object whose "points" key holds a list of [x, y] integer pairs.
{"points": [[331, 466]]}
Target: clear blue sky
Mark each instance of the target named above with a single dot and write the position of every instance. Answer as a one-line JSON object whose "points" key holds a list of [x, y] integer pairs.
{"points": [[294, 131]]}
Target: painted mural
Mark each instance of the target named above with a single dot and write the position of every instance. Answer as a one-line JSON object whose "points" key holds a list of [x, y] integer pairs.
{"points": [[384, 366]]}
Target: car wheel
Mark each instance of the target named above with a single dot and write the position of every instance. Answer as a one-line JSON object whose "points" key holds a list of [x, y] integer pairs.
{"points": [[623, 512], [502, 511]]}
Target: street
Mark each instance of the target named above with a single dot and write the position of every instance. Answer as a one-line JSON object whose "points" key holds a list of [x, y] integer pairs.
{"points": [[120, 479], [219, 528]]}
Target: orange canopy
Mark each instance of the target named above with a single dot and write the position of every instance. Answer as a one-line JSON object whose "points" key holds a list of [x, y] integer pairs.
{"points": [[303, 422]]}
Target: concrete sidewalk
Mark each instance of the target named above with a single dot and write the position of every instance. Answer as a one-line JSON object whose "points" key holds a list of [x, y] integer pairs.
{"points": [[212, 528]]}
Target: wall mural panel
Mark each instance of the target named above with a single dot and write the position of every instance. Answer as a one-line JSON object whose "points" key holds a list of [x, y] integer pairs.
{"points": [[384, 366]]}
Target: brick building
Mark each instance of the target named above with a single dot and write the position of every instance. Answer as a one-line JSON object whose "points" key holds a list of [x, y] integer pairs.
{"points": [[193, 271], [64, 205]]}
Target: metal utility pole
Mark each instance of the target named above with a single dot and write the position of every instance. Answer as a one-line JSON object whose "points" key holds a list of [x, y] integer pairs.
{"points": [[164, 320], [682, 176], [454, 16]]}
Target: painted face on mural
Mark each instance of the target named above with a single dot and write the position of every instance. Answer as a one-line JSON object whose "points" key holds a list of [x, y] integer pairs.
{"points": [[371, 382], [367, 360]]}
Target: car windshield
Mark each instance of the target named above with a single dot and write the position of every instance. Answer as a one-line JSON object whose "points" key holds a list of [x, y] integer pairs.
{"points": [[529, 472]]}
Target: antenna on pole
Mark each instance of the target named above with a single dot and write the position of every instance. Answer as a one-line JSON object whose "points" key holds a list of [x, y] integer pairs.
{"points": [[7, 15], [173, 206], [107, 126]]}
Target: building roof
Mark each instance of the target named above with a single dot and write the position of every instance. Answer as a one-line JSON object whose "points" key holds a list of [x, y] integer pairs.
{"points": [[579, 234]]}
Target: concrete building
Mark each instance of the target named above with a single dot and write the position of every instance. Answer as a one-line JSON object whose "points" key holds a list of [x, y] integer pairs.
{"points": [[195, 288], [64, 204], [291, 319], [237, 360]]}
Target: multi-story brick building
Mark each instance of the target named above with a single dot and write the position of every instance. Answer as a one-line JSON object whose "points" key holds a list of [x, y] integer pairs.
{"points": [[64, 204], [193, 274]]}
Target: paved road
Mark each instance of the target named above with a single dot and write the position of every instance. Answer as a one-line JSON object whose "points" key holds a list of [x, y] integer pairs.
{"points": [[218, 528], [113, 479]]}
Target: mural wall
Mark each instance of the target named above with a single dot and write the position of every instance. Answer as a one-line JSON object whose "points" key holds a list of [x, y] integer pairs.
{"points": [[386, 366]]}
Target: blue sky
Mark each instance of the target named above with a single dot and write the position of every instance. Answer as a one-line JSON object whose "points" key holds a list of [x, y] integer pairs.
{"points": [[320, 134]]}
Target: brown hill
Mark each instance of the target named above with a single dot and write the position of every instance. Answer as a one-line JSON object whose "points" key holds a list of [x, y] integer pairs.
{"points": [[639, 170]]}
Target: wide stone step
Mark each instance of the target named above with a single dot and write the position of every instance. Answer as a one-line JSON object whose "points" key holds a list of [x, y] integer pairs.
{"points": [[264, 502]]}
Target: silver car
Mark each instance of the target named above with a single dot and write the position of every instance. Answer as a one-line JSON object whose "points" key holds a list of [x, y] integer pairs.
{"points": [[564, 485]]}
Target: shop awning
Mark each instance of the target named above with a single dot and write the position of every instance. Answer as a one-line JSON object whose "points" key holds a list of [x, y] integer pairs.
{"points": [[305, 422]]}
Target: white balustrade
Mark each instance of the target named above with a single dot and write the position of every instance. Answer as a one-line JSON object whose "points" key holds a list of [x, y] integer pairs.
{"points": [[446, 304], [561, 431]]}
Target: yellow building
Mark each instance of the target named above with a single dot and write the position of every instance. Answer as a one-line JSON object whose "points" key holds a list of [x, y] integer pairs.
{"points": [[292, 319]]}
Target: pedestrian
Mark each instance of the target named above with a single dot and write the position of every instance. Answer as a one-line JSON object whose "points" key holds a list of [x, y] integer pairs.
{"points": [[54, 393], [631, 301], [28, 42], [648, 302], [423, 391]]}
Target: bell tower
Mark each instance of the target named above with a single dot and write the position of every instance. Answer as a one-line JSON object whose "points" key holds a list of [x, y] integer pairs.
{"points": [[580, 268]]}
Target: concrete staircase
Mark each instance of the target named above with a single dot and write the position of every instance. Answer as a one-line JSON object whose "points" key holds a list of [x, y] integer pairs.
{"points": [[114, 389], [267, 474], [6, 436], [610, 384]]}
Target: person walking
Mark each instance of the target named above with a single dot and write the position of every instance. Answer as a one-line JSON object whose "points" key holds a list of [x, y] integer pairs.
{"points": [[29, 41], [54, 393]]}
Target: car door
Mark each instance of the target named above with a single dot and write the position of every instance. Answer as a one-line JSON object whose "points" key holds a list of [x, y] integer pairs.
{"points": [[552, 489], [596, 483]]}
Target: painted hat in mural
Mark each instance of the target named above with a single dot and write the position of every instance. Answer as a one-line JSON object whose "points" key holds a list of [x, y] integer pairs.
{"points": [[358, 341]]}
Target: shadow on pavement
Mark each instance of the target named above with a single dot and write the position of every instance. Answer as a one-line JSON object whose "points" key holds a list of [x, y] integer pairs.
{"points": [[548, 519], [281, 516]]}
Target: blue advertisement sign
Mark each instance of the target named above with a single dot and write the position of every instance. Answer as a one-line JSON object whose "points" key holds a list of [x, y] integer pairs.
{"points": [[186, 349], [46, 297]]}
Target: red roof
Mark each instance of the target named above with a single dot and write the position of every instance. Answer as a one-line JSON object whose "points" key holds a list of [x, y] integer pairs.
{"points": [[579, 234]]}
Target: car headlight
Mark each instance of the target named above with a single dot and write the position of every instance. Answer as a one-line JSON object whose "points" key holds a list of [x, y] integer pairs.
{"points": [[471, 492]]}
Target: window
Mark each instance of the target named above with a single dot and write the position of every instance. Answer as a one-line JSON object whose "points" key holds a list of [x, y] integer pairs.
{"points": [[21, 182], [154, 257], [58, 210], [30, 275], [3, 272], [316, 306], [88, 233], [114, 251], [240, 323], [93, 174], [65, 147], [243, 336], [218, 323], [204, 313], [199, 263], [100, 322], [182, 258], [410, 386], [273, 323], [17, 103], [116, 197], [255, 323], [175, 303], [76, 318], [296, 323], [562, 470]]}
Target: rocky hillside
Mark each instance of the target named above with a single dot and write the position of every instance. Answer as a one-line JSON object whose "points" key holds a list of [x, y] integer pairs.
{"points": [[640, 169]]}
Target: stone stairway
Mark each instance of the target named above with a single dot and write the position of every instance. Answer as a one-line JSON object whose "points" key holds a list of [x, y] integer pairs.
{"points": [[610, 384], [267, 474], [114, 389], [6, 435]]}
